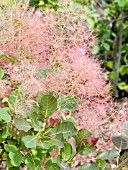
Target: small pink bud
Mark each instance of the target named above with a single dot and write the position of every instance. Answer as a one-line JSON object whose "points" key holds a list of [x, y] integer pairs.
{"points": [[52, 121], [56, 121], [92, 140]]}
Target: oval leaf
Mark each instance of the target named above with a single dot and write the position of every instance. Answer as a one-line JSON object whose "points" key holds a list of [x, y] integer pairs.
{"points": [[120, 141], [66, 152], [106, 46], [121, 3], [58, 141], [101, 164], [87, 151], [22, 124], [124, 128], [48, 105], [95, 49], [88, 167], [10, 148], [30, 141], [4, 115], [16, 158], [108, 155], [67, 129], [31, 162]]}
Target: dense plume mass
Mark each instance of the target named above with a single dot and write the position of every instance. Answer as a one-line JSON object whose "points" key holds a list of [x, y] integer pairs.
{"points": [[52, 53]]}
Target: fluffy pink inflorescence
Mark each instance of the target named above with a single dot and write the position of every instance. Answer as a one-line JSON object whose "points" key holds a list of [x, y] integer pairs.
{"points": [[61, 44]]}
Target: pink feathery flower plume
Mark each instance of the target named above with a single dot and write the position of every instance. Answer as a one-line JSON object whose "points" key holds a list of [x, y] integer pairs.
{"points": [[53, 54]]}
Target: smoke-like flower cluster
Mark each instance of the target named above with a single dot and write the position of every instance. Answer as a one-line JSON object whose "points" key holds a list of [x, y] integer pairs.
{"points": [[52, 53]]}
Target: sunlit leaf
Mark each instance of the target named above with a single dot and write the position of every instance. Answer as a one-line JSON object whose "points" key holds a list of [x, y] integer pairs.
{"points": [[22, 124], [121, 3], [48, 105], [66, 152], [67, 129], [16, 158], [32, 162], [106, 46], [101, 164], [108, 154], [4, 115], [30, 141], [88, 167], [10, 148]]}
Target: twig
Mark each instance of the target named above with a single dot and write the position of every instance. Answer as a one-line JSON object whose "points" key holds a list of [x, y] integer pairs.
{"points": [[121, 164], [117, 54]]}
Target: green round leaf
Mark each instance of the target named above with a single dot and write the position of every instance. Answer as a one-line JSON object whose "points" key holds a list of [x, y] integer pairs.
{"points": [[48, 105], [22, 124], [32, 162], [58, 141], [34, 151], [50, 131], [124, 128], [10, 148], [16, 158], [87, 151], [106, 46], [109, 64], [90, 23], [88, 167], [101, 164], [120, 141], [6, 132], [51, 166], [108, 155], [123, 70], [121, 3], [67, 129], [30, 141], [122, 85], [4, 115], [95, 49]]}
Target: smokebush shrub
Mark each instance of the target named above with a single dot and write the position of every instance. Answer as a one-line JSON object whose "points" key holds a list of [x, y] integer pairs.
{"points": [[51, 53], [47, 76]]}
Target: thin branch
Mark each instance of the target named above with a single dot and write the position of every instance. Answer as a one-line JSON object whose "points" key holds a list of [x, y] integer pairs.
{"points": [[121, 164], [117, 54], [117, 19]]}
